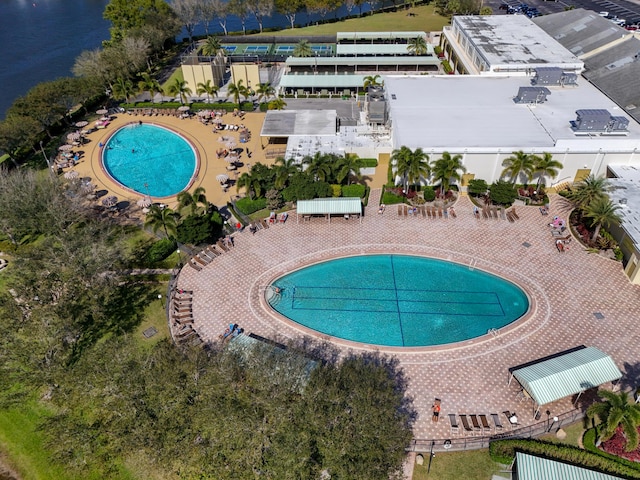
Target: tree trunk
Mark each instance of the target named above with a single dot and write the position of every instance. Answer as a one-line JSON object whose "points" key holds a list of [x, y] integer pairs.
{"points": [[596, 232]]}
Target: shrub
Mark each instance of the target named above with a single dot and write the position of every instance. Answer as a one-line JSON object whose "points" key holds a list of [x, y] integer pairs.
{"points": [[389, 198], [247, 206], [437, 49], [353, 190], [369, 162], [199, 229], [446, 66], [264, 107], [337, 190], [429, 194], [477, 187], [503, 192], [160, 250]]}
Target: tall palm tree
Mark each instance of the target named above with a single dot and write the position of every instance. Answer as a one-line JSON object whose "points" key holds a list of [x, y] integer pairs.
{"points": [[208, 88], [372, 81], [411, 165], [211, 46], [123, 89], [517, 164], [348, 166], [193, 200], [162, 217], [149, 84], [238, 90], [318, 166], [588, 190], [417, 46], [303, 49], [265, 90], [284, 170], [616, 410], [545, 165], [251, 182], [448, 168], [602, 212], [179, 88], [277, 104]]}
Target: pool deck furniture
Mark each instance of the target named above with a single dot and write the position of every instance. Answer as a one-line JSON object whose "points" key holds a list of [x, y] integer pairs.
{"points": [[453, 424], [468, 430], [476, 424], [486, 428], [497, 425]]}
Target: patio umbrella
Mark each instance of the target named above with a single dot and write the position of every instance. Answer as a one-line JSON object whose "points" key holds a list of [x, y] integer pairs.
{"points": [[110, 201], [204, 113], [81, 124], [105, 119], [184, 108], [73, 136], [222, 178], [144, 202], [88, 187], [65, 148], [71, 174], [231, 158], [102, 111], [230, 144]]}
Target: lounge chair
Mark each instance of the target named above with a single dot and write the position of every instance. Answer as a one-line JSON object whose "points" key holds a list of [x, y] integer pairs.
{"points": [[502, 213], [485, 213], [222, 246], [422, 210], [264, 223], [199, 260], [439, 212], [496, 422], [428, 212], [433, 212], [454, 424], [486, 428], [475, 423], [513, 212], [494, 211], [510, 217], [195, 265], [184, 321], [405, 211], [465, 424]]}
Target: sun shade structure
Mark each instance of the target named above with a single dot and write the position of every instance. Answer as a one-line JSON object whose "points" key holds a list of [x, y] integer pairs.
{"points": [[329, 206], [284, 123], [529, 467], [565, 373]]}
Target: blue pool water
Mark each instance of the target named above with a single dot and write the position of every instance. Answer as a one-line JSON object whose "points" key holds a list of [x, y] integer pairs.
{"points": [[150, 159], [398, 300]]}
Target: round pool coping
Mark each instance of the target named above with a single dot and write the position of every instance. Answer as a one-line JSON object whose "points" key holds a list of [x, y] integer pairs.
{"points": [[196, 155], [536, 298]]}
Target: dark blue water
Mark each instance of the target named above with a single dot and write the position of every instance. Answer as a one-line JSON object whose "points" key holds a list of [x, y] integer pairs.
{"points": [[40, 39]]}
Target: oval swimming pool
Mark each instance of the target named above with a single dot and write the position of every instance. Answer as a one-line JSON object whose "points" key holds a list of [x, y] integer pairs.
{"points": [[150, 160], [397, 300]]}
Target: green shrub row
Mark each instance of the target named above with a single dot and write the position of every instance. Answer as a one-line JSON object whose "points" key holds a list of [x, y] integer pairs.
{"points": [[353, 190], [160, 250], [248, 206], [196, 106], [369, 162], [390, 198], [446, 66], [505, 451]]}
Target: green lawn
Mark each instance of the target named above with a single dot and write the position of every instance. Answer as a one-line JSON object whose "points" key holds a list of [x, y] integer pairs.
{"points": [[154, 316], [470, 465], [425, 20], [574, 435]]}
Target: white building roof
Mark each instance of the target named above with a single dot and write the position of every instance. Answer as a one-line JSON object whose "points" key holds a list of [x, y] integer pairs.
{"points": [[322, 81], [513, 40], [284, 123], [373, 49], [459, 112], [625, 192]]}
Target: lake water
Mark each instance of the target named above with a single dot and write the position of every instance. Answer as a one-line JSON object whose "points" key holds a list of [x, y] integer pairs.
{"points": [[40, 39]]}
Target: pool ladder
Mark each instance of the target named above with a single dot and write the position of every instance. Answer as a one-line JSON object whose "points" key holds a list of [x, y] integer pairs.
{"points": [[472, 264], [494, 332]]}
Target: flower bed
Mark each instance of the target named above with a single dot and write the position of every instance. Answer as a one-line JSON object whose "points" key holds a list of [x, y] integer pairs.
{"points": [[616, 446]]}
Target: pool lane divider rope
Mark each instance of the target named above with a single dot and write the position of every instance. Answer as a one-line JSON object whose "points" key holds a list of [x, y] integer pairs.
{"points": [[395, 286]]}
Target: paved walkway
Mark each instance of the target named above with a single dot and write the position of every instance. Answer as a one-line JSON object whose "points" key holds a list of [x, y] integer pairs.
{"points": [[470, 377]]}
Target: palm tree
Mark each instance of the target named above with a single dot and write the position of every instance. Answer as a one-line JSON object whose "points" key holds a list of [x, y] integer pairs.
{"points": [[588, 190], [318, 167], [303, 49], [211, 46], [162, 217], [517, 164], [179, 88], [602, 212], [417, 46], [251, 182], [545, 165], [191, 201], [448, 168], [208, 88], [372, 81], [149, 84], [238, 90], [284, 170], [277, 104], [123, 89], [348, 166], [264, 90], [617, 409], [411, 165]]}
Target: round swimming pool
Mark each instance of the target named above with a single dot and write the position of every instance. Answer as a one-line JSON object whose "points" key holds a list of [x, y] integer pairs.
{"points": [[397, 300], [150, 160]]}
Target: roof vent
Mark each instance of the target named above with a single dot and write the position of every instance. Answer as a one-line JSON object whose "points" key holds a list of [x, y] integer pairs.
{"points": [[622, 201], [532, 95]]}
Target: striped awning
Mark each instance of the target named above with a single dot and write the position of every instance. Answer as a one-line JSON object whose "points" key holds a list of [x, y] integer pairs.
{"points": [[330, 206], [563, 375], [536, 468]]}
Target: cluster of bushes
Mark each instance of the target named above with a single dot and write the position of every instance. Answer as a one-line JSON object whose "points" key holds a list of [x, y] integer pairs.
{"points": [[248, 205], [159, 251], [504, 451], [196, 106]]}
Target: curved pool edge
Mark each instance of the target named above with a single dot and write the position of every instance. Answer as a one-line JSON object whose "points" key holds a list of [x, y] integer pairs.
{"points": [[534, 296], [196, 153]]}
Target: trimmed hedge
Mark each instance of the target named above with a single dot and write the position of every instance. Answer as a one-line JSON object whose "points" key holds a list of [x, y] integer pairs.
{"points": [[353, 190], [429, 193], [389, 198], [227, 106], [369, 162], [502, 450], [336, 189], [248, 206], [160, 250]]}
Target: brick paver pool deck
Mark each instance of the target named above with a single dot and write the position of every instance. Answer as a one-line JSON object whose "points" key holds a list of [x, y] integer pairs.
{"points": [[471, 377]]}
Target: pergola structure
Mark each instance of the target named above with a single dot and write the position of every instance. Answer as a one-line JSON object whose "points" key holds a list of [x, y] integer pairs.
{"points": [[529, 467], [565, 373], [343, 206]]}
